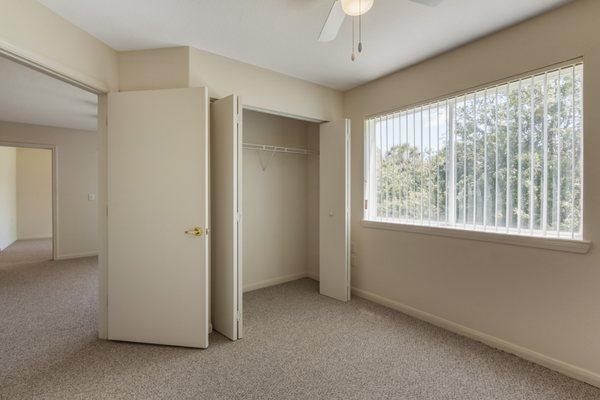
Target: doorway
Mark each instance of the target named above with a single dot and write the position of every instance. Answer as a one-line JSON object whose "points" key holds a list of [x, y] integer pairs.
{"points": [[54, 122], [269, 193], [29, 205], [49, 275], [280, 199]]}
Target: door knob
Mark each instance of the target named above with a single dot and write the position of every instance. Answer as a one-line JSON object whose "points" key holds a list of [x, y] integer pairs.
{"points": [[197, 231]]}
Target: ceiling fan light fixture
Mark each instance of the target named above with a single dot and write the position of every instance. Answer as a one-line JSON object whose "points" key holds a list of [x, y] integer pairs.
{"points": [[356, 7]]}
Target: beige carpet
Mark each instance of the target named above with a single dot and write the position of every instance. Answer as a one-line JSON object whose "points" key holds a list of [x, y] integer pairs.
{"points": [[26, 252], [298, 345]]}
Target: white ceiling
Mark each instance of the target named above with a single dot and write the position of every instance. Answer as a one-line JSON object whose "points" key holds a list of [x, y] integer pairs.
{"points": [[281, 35], [30, 97]]}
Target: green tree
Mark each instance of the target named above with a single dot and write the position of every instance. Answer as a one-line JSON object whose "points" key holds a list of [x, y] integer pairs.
{"points": [[505, 138]]}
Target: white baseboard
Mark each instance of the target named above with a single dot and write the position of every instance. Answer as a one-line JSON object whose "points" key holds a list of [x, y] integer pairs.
{"points": [[76, 255], [7, 245], [274, 281], [34, 237], [564, 368], [552, 363]]}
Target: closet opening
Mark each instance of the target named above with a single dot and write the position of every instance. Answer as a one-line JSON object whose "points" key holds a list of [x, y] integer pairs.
{"points": [[280, 199], [280, 206]]}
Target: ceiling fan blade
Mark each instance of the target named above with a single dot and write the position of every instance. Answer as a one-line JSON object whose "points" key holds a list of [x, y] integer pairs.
{"points": [[430, 3], [333, 22]]}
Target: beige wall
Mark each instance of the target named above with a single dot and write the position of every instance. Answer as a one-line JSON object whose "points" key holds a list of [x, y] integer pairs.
{"points": [[154, 69], [34, 193], [257, 87], [8, 196], [63, 47], [262, 88], [277, 237], [545, 301], [34, 31], [77, 176]]}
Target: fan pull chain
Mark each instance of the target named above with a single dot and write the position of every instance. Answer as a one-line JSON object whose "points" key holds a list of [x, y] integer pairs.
{"points": [[353, 57], [360, 26]]}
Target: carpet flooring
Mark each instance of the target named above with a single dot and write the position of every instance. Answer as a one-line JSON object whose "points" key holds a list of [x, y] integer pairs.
{"points": [[297, 345]]}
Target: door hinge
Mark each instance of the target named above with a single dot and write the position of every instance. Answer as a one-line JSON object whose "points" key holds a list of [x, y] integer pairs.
{"points": [[366, 204], [238, 315]]}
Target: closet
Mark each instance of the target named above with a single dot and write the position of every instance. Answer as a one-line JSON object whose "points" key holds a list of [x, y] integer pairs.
{"points": [[280, 206], [280, 199]]}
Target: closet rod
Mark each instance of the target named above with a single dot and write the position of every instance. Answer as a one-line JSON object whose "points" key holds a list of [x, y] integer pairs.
{"points": [[277, 149]]}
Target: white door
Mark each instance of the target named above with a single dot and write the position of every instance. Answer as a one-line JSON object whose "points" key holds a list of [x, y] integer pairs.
{"points": [[158, 199], [334, 210], [226, 253]]}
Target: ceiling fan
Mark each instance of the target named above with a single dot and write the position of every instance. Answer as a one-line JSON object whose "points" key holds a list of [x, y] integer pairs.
{"points": [[353, 8]]}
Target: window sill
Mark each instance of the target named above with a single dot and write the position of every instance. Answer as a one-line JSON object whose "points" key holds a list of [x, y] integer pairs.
{"points": [[565, 245]]}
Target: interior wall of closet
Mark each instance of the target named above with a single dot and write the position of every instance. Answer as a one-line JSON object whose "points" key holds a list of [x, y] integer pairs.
{"points": [[280, 200]]}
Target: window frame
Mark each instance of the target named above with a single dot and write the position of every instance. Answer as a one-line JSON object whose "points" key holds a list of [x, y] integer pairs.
{"points": [[511, 237]]}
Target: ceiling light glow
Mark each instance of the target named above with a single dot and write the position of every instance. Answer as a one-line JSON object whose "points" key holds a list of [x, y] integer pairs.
{"points": [[356, 7]]}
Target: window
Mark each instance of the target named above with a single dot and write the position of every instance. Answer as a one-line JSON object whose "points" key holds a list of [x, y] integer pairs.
{"points": [[507, 158]]}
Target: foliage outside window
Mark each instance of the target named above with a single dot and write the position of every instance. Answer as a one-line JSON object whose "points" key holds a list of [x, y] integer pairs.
{"points": [[507, 158]]}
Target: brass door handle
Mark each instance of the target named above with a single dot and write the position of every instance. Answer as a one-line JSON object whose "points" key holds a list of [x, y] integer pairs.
{"points": [[197, 231]]}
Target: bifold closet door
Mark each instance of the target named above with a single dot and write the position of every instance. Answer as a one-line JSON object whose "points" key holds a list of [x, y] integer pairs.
{"points": [[226, 274], [334, 210], [158, 204]]}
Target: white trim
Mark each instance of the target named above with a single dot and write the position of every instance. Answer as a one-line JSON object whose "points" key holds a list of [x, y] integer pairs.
{"points": [[274, 281], [75, 78], [52, 68], [281, 114], [34, 237], [76, 255], [55, 223], [238, 126], [565, 368], [102, 204], [556, 244]]}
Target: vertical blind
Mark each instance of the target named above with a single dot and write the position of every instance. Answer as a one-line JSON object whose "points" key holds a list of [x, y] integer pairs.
{"points": [[506, 158]]}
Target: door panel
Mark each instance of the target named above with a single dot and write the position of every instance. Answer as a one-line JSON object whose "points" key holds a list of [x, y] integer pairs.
{"points": [[158, 189], [225, 213], [334, 210]]}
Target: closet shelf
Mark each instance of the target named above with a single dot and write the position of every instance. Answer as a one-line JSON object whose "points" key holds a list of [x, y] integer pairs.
{"points": [[277, 149]]}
